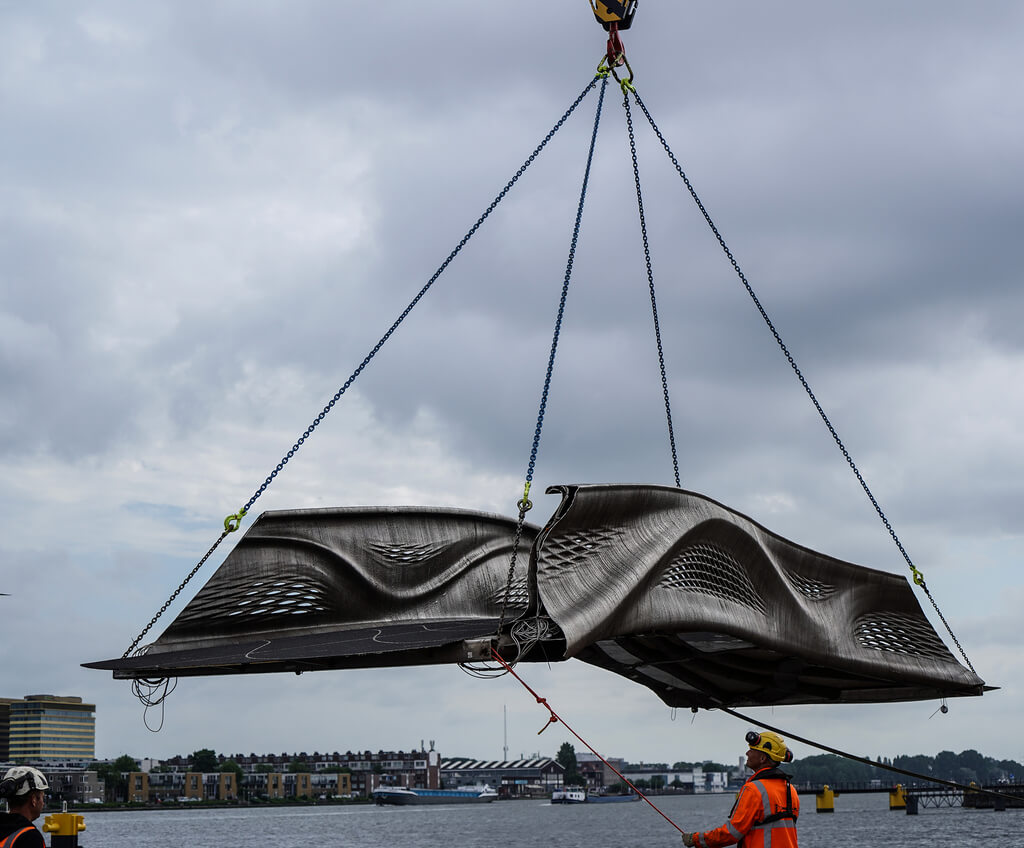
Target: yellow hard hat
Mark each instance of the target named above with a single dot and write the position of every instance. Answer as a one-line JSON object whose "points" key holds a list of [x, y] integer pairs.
{"points": [[771, 744]]}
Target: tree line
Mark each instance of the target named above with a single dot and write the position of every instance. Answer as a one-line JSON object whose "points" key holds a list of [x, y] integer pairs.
{"points": [[965, 767]]}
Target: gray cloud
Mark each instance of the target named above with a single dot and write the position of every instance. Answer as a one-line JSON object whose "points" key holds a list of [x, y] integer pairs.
{"points": [[211, 214]]}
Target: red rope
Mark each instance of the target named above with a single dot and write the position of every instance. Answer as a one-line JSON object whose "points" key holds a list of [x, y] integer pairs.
{"points": [[554, 717]]}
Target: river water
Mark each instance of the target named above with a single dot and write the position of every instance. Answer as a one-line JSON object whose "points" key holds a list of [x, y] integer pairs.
{"points": [[858, 821]]}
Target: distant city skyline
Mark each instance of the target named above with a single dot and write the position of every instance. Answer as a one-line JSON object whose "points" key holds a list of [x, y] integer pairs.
{"points": [[730, 763]]}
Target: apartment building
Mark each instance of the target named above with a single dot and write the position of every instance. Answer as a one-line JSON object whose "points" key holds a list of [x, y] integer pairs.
{"points": [[47, 727]]}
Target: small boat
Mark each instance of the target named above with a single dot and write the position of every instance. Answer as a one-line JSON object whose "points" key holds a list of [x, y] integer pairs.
{"points": [[581, 796], [402, 796], [569, 796], [612, 799]]}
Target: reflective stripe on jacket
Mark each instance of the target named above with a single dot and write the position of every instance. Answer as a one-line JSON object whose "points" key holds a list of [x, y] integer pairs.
{"points": [[8, 840], [764, 815]]}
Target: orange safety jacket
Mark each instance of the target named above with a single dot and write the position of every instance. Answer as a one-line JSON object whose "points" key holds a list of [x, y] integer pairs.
{"points": [[764, 815]]}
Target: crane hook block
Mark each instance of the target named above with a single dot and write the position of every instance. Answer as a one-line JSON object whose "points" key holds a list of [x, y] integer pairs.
{"points": [[610, 12]]}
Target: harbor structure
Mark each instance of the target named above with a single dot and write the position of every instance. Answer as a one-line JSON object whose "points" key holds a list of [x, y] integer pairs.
{"points": [[599, 773], [693, 781], [525, 778]]}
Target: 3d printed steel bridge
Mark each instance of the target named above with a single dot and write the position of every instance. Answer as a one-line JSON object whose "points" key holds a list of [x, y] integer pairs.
{"points": [[663, 586]]}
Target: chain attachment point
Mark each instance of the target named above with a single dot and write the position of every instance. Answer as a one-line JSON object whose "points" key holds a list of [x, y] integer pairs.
{"points": [[624, 84], [616, 52], [524, 504], [233, 522]]}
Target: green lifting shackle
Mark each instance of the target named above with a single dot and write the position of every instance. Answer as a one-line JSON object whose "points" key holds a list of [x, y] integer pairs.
{"points": [[611, 12]]}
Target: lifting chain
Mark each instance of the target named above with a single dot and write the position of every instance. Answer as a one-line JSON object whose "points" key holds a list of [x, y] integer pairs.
{"points": [[175, 594], [524, 504], [918, 577], [650, 284], [233, 522]]}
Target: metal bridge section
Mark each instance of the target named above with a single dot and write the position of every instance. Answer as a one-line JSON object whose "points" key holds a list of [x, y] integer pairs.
{"points": [[665, 587]]}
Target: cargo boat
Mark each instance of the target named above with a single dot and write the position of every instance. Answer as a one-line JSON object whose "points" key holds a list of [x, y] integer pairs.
{"points": [[402, 796]]}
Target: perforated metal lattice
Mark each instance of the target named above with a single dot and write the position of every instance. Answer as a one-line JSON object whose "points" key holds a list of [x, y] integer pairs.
{"points": [[816, 590], [572, 548], [711, 570], [899, 633], [518, 595], [407, 554], [252, 601]]}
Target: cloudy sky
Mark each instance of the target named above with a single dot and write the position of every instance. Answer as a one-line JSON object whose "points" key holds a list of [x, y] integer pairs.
{"points": [[209, 213]]}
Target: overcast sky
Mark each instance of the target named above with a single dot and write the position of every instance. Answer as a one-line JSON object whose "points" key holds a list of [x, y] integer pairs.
{"points": [[210, 212]]}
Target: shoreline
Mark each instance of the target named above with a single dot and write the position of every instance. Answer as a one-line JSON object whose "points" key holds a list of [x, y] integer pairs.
{"points": [[204, 805]]}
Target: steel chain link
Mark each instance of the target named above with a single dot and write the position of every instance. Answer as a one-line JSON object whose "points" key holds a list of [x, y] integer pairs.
{"points": [[524, 506], [175, 594], [337, 396], [555, 336], [494, 203], [650, 282]]}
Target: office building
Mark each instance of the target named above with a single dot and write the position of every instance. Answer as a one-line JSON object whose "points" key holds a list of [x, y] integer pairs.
{"points": [[50, 727], [5, 728]]}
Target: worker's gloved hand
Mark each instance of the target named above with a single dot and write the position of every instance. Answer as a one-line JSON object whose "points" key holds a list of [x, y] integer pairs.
{"points": [[689, 839]]}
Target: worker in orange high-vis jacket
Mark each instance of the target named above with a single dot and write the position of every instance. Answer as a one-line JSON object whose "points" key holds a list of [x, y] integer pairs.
{"points": [[766, 808]]}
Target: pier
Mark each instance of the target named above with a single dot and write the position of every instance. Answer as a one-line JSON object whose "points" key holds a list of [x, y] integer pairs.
{"points": [[914, 796]]}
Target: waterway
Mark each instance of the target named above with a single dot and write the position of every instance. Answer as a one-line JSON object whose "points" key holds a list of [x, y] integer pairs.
{"points": [[859, 820]]}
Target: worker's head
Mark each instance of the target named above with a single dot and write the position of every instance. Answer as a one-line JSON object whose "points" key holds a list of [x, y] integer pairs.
{"points": [[25, 790], [766, 749]]}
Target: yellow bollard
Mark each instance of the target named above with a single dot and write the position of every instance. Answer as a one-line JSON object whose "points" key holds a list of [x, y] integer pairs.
{"points": [[65, 828], [826, 800], [898, 798]]}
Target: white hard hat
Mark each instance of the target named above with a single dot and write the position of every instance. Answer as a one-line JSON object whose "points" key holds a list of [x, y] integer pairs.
{"points": [[21, 780]]}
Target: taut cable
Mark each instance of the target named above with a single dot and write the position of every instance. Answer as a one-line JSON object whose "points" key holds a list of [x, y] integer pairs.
{"points": [[555, 718]]}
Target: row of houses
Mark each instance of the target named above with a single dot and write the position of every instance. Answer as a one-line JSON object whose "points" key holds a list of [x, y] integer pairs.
{"points": [[162, 787], [542, 776], [601, 775], [354, 775]]}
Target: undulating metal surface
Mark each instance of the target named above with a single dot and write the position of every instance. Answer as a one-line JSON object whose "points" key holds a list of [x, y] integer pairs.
{"points": [[344, 588], [705, 606], [663, 586]]}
